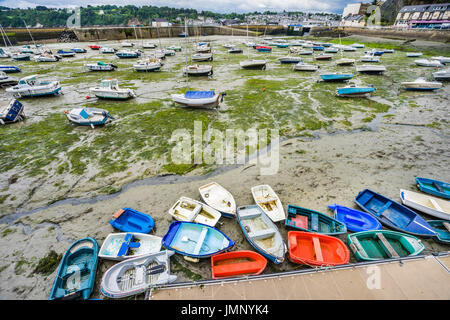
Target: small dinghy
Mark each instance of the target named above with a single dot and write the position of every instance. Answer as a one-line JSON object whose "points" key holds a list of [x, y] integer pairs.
{"points": [[434, 187], [4, 53], [203, 48], [345, 62], [107, 50], [137, 275], [195, 240], [388, 50], [7, 81], [303, 66], [148, 65], [32, 86], [383, 244], [168, 52], [370, 57], [235, 50], [174, 48], [348, 48], [9, 69], [420, 84], [100, 66], [199, 99], [76, 272], [375, 52], [393, 214], [159, 54], [128, 54], [126, 44], [441, 59], [95, 47], [433, 206], [253, 64], [64, 53], [218, 198], [318, 48], [371, 69], [355, 220], [13, 112], [198, 70], [442, 229], [269, 202], [352, 91], [357, 45], [46, 57], [237, 263], [149, 45], [21, 57], [441, 75], [331, 50], [336, 76], [88, 116], [263, 49], [121, 246], [323, 56], [187, 209], [78, 50], [109, 89], [130, 220], [428, 63], [290, 59], [316, 249], [413, 54], [261, 232], [314, 221], [282, 45], [202, 57]]}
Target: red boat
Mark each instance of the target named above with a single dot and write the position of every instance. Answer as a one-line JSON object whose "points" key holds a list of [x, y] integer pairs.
{"points": [[263, 49], [316, 249], [95, 47], [236, 263]]}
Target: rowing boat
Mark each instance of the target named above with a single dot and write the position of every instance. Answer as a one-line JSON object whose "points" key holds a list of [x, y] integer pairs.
{"points": [[355, 220], [218, 198], [237, 263], [434, 187], [187, 209], [425, 203], [269, 202], [121, 246], [130, 220]]}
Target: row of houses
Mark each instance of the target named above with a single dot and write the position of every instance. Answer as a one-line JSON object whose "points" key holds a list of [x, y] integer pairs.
{"points": [[436, 16]]}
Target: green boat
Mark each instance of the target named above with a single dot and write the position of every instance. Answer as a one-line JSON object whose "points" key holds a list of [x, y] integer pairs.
{"points": [[383, 244], [442, 229]]}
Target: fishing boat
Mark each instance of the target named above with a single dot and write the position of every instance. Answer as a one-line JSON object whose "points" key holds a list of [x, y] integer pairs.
{"points": [[413, 54], [130, 220], [100, 66], [345, 62], [88, 116], [314, 221], [323, 56], [95, 47], [290, 59], [425, 203], [109, 89], [76, 272], [107, 50], [371, 69], [353, 90], [13, 112], [355, 220], [218, 198], [78, 50], [46, 57], [393, 214], [199, 99], [237, 263], [441, 59], [370, 58], [253, 64], [303, 66], [315, 249], [9, 69], [336, 76], [198, 70], [420, 84], [64, 53], [148, 65], [137, 275], [235, 49], [261, 232], [21, 57], [127, 245], [442, 229], [32, 86], [269, 202], [202, 57], [434, 187], [187, 209], [195, 240], [263, 49], [7, 81], [383, 244], [428, 63], [441, 75], [128, 54], [331, 50]]}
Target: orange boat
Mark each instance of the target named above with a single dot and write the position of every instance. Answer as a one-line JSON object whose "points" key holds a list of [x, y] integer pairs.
{"points": [[316, 249], [235, 263]]}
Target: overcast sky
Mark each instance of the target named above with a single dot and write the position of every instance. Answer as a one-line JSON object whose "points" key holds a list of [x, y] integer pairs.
{"points": [[221, 6]]}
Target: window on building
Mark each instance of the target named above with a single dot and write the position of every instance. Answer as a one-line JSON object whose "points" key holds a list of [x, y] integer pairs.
{"points": [[425, 15], [436, 15], [446, 15], [415, 15], [406, 16]]}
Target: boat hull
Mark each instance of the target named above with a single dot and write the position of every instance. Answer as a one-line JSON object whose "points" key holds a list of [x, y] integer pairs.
{"points": [[430, 205], [122, 246], [355, 220], [130, 220], [434, 187], [237, 263]]}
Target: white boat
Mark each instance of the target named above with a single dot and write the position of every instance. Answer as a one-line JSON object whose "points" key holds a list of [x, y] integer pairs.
{"points": [[441, 59], [149, 64], [228, 45], [269, 202], [413, 54], [88, 116], [388, 50], [21, 56], [4, 53], [442, 75], [235, 49], [168, 52], [370, 57], [109, 89], [290, 59], [332, 49], [422, 85], [253, 64], [66, 54], [250, 44], [203, 49], [187, 209], [46, 57], [198, 70], [202, 57], [100, 66], [428, 63], [345, 62], [127, 245], [126, 44], [32, 86], [303, 66], [174, 48], [6, 81], [371, 69], [137, 275], [357, 45], [218, 198], [348, 48], [149, 45], [433, 206], [198, 99], [106, 50], [13, 112]]}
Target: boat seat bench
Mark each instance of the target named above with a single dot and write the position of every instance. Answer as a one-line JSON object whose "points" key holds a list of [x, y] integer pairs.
{"points": [[261, 234], [317, 249], [231, 269], [249, 214], [200, 241], [386, 244]]}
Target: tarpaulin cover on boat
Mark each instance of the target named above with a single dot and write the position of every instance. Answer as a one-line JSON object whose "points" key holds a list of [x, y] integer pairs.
{"points": [[199, 94]]}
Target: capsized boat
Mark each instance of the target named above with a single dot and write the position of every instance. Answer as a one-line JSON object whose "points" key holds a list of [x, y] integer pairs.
{"points": [[237, 263], [315, 249], [6, 81], [198, 70], [202, 57], [32, 86], [336, 76], [13, 112], [187, 209], [290, 59], [261, 232], [428, 63], [314, 221], [137, 275], [442, 229], [392, 214], [383, 244], [371, 69], [441, 75], [100, 66], [354, 91], [130, 220], [88, 116], [199, 99], [269, 202], [303, 66], [434, 187], [218, 198], [195, 240], [75, 277], [9, 69], [148, 65], [425, 203], [355, 220], [121, 246], [109, 89], [253, 64], [420, 84]]}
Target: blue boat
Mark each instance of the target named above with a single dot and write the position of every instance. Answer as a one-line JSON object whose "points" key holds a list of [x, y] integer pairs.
{"points": [[127, 54], [318, 48], [12, 113], [355, 220], [354, 91], [195, 240], [282, 45], [64, 53], [78, 50], [9, 69], [336, 76], [313, 221], [393, 215], [442, 229], [76, 272], [434, 187], [130, 220]]}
